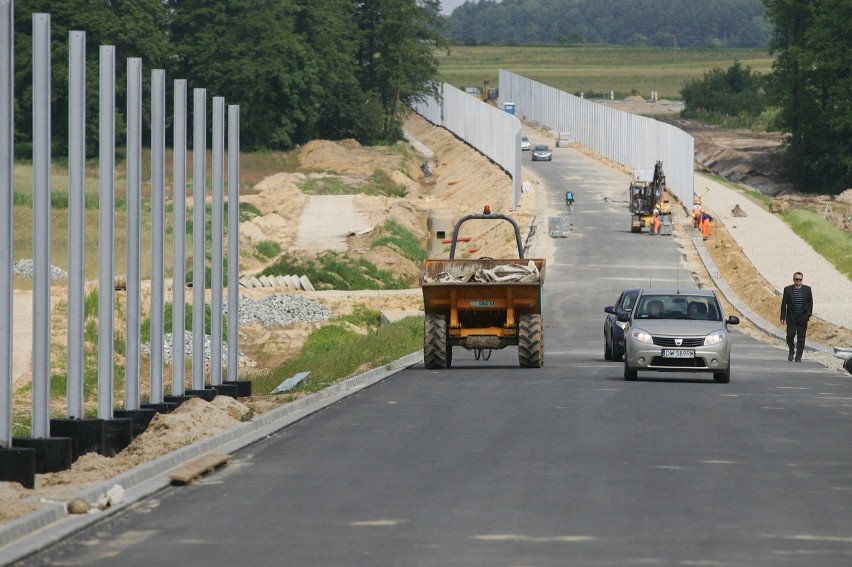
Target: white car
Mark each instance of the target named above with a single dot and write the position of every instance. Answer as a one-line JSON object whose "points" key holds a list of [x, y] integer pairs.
{"points": [[525, 144], [677, 330]]}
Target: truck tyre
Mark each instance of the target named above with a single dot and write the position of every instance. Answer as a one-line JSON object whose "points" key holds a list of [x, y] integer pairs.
{"points": [[436, 354], [531, 341]]}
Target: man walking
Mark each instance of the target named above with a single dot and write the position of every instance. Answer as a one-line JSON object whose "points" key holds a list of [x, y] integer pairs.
{"points": [[797, 306]]}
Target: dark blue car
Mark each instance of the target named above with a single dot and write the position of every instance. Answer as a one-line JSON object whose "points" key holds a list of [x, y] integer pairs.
{"points": [[613, 328]]}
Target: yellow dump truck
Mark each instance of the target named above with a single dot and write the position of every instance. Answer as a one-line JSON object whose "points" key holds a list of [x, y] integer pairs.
{"points": [[483, 304]]}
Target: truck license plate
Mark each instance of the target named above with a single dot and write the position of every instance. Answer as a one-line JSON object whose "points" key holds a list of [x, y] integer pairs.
{"points": [[481, 303], [678, 353]]}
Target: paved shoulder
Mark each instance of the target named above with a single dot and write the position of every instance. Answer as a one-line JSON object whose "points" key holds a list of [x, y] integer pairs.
{"points": [[777, 252]]}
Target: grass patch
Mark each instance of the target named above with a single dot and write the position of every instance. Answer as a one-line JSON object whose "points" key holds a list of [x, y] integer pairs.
{"points": [[378, 184], [335, 271], [362, 316], [393, 234], [328, 186], [335, 352], [625, 70], [828, 240], [267, 249]]}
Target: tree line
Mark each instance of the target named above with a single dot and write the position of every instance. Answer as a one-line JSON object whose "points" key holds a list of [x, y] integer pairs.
{"points": [[298, 69], [662, 23], [808, 95]]}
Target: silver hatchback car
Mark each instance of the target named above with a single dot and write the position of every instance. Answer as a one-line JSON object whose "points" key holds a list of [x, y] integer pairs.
{"points": [[671, 330]]}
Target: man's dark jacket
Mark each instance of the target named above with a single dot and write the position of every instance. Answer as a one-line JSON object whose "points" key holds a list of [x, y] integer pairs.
{"points": [[787, 305]]}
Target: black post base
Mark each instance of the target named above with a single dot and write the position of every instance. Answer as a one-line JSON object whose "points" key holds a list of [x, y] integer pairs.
{"points": [[87, 435], [141, 418], [243, 387], [164, 407], [118, 433], [206, 394], [176, 399], [52, 454], [18, 465], [225, 390]]}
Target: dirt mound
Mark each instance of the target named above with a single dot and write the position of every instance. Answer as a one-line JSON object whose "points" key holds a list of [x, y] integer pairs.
{"points": [[348, 157], [742, 156]]}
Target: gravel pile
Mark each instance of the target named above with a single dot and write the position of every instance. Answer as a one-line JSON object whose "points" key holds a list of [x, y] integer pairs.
{"points": [[24, 269], [280, 309], [277, 309], [168, 347]]}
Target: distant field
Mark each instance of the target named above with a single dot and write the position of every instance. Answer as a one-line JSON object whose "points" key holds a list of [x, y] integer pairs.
{"points": [[595, 69]]}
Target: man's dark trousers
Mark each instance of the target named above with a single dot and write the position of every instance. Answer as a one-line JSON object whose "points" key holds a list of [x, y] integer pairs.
{"points": [[797, 328]]}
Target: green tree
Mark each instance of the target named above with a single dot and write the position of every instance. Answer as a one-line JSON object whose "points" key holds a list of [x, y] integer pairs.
{"points": [[736, 91], [813, 83], [395, 59], [248, 52], [136, 28], [329, 29]]}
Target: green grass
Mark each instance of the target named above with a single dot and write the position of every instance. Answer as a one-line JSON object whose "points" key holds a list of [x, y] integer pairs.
{"points": [[336, 352], [392, 234], [380, 183], [335, 271], [828, 240], [594, 69], [267, 249]]}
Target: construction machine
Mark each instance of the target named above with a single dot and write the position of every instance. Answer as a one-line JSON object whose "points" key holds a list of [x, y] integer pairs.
{"points": [[647, 193]]}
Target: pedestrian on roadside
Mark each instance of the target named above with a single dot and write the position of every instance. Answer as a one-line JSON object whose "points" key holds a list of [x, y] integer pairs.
{"points": [[797, 306]]}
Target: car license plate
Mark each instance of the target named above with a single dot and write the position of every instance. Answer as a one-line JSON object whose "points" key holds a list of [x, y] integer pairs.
{"points": [[678, 353]]}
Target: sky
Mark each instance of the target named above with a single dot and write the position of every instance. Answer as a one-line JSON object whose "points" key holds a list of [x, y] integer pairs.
{"points": [[447, 6]]}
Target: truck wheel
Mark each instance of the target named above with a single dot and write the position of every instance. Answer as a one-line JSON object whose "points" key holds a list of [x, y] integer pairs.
{"points": [[531, 341], [435, 351]]}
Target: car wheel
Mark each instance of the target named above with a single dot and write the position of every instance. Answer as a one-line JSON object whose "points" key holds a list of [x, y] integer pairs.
{"points": [[617, 354], [723, 377], [630, 375], [607, 349]]}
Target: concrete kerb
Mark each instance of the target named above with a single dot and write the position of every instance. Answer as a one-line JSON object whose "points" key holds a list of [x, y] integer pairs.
{"points": [[36, 530], [749, 314]]}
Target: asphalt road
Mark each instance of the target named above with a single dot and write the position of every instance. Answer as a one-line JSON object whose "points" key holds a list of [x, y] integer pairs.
{"points": [[488, 464]]}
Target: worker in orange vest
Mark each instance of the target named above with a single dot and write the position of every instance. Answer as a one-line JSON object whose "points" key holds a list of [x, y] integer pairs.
{"points": [[655, 227], [705, 225], [697, 211]]}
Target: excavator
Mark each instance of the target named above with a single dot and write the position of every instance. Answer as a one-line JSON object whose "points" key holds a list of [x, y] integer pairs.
{"points": [[648, 192]]}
